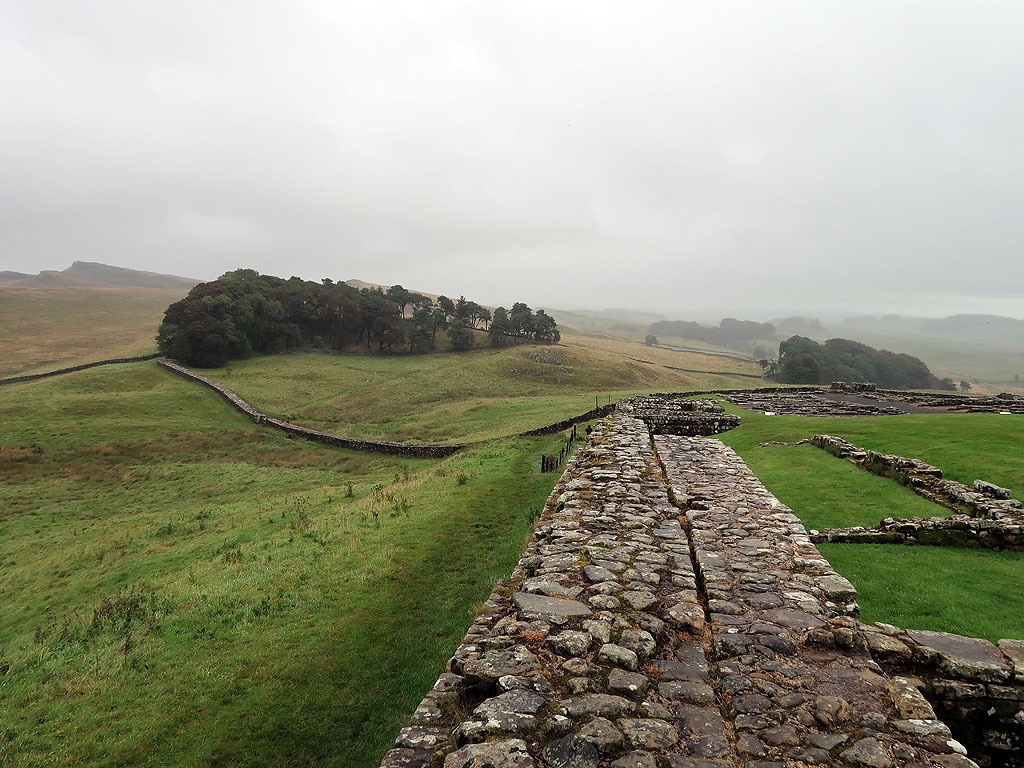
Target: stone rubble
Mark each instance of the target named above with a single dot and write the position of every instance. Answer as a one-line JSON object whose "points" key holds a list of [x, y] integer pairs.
{"points": [[800, 402], [679, 621], [975, 685]]}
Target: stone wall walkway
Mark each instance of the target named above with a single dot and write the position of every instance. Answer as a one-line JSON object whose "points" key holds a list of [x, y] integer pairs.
{"points": [[669, 613]]}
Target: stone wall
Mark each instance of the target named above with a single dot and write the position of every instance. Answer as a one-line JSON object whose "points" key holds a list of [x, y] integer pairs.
{"points": [[669, 613], [976, 687], [74, 368], [679, 415], [561, 426], [374, 446], [422, 450]]}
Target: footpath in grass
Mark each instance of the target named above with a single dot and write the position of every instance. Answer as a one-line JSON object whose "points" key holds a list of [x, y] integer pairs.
{"points": [[184, 588], [970, 592]]}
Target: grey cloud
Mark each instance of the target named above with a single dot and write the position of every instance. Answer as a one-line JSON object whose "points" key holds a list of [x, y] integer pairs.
{"points": [[814, 155]]}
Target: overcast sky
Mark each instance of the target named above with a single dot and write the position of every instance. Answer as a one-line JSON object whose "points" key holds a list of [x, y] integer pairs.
{"points": [[692, 158]]}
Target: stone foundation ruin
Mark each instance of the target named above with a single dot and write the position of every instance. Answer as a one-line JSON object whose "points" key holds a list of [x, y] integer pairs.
{"points": [[670, 612], [985, 515]]}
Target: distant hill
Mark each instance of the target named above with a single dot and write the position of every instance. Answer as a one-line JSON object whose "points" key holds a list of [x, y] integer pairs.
{"points": [[958, 323], [89, 274]]}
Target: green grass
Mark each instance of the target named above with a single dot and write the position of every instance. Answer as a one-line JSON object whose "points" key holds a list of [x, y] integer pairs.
{"points": [[971, 592], [445, 397], [183, 588], [966, 591], [965, 446]]}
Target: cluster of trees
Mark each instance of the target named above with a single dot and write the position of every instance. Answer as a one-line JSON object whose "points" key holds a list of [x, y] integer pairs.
{"points": [[805, 361], [798, 325], [244, 313], [729, 332]]}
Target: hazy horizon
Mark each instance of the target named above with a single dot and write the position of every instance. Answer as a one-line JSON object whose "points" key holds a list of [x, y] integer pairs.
{"points": [[706, 316], [691, 159]]}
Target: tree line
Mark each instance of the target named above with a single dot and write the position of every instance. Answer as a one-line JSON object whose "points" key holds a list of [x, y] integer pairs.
{"points": [[729, 331], [805, 361], [243, 313]]}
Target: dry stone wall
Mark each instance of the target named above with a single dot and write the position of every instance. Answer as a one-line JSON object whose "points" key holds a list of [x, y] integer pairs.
{"points": [[422, 450], [75, 368], [374, 446], [669, 613]]}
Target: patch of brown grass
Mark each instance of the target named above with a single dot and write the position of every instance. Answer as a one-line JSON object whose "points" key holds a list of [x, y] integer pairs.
{"points": [[43, 329], [10, 453]]}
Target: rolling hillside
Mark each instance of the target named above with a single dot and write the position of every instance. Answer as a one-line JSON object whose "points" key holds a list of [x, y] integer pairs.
{"points": [[87, 312], [185, 587]]}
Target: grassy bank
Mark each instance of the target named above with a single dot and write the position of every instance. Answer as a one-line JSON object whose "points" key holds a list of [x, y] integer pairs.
{"points": [[183, 588], [448, 397]]}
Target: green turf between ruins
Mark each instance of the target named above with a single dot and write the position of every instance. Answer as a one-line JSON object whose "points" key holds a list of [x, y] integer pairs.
{"points": [[181, 587], [971, 592]]}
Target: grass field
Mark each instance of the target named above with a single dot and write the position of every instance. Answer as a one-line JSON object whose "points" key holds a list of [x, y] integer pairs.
{"points": [[42, 329], [183, 588], [450, 397], [969, 592], [966, 591]]}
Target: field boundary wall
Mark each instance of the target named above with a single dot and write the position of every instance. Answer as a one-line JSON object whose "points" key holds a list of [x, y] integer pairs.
{"points": [[75, 368]]}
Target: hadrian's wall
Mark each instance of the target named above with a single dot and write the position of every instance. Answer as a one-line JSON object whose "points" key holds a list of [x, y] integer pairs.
{"points": [[670, 613]]}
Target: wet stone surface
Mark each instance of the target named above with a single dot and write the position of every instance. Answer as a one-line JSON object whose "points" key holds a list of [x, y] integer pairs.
{"points": [[668, 613]]}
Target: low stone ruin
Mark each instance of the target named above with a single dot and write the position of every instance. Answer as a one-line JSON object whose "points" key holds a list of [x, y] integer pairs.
{"points": [[857, 399], [796, 402], [975, 686], [670, 613], [1004, 402], [856, 387], [985, 515], [677, 415]]}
